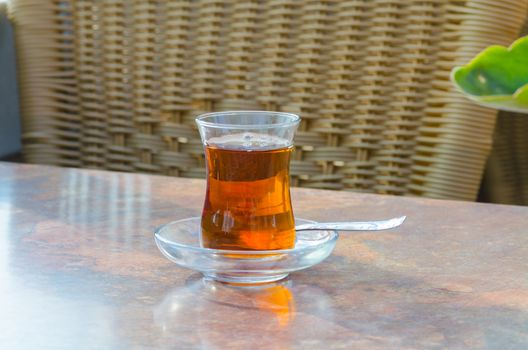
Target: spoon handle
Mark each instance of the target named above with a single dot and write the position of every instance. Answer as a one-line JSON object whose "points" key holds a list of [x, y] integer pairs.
{"points": [[353, 226]]}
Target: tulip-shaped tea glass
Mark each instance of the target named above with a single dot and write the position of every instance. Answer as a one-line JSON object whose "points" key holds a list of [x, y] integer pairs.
{"points": [[247, 203]]}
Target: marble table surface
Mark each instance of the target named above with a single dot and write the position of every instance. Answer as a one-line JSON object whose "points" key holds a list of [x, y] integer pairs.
{"points": [[79, 269]]}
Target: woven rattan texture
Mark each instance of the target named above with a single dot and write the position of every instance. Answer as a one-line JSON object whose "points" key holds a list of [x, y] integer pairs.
{"points": [[117, 84]]}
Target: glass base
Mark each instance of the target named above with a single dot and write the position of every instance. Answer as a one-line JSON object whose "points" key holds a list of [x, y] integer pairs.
{"points": [[244, 278]]}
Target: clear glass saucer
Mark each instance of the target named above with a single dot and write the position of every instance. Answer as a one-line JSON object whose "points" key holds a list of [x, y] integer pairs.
{"points": [[179, 241]]}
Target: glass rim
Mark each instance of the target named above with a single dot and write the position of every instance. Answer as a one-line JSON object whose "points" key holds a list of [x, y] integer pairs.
{"points": [[295, 119]]}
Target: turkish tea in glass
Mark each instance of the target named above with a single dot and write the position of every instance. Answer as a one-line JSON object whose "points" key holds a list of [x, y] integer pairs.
{"points": [[247, 203]]}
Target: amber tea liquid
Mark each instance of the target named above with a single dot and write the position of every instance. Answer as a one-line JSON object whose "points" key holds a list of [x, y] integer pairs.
{"points": [[247, 204]]}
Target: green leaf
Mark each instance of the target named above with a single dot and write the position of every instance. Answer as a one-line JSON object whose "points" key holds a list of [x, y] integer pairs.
{"points": [[497, 77]]}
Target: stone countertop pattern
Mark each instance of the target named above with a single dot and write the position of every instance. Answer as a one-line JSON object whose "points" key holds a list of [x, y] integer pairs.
{"points": [[79, 269]]}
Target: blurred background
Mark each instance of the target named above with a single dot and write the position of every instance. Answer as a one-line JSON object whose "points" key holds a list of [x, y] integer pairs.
{"points": [[116, 85]]}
